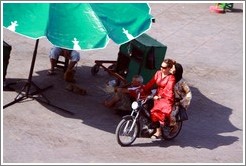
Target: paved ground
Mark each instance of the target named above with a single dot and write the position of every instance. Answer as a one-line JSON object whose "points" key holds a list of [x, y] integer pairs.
{"points": [[210, 47]]}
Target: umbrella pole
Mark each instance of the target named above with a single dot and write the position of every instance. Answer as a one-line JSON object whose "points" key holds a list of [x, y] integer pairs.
{"points": [[32, 67], [28, 84]]}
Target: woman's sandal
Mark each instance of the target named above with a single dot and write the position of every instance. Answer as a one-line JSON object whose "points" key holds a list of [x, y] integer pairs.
{"points": [[156, 137]]}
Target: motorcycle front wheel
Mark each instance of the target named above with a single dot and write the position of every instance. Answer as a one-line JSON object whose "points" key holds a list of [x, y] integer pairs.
{"points": [[170, 132], [127, 132]]}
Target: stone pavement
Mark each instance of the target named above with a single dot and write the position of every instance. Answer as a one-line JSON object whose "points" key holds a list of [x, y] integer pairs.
{"points": [[208, 45]]}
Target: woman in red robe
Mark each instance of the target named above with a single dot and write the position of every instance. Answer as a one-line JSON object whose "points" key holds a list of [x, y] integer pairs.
{"points": [[164, 96]]}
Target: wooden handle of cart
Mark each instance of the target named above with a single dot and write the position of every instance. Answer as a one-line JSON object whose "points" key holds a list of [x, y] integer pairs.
{"points": [[118, 76], [111, 72]]}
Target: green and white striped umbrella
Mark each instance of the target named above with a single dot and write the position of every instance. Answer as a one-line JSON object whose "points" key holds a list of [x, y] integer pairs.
{"points": [[78, 26]]}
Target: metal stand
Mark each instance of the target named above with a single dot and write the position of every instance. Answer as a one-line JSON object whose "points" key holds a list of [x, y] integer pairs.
{"points": [[36, 94]]}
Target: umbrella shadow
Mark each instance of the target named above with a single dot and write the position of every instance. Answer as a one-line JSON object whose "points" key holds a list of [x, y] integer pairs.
{"points": [[207, 122]]}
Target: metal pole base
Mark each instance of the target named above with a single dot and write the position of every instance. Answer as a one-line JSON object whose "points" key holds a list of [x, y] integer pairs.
{"points": [[34, 95]]}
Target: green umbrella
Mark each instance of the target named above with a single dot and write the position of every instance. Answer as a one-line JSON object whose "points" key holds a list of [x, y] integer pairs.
{"points": [[79, 26]]}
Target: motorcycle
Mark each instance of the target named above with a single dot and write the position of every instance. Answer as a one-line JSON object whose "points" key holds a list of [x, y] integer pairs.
{"points": [[139, 124]]}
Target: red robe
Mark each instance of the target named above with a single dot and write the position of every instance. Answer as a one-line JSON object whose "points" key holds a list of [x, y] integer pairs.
{"points": [[165, 89]]}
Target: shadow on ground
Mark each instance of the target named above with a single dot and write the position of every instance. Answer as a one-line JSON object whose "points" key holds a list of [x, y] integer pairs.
{"points": [[207, 123]]}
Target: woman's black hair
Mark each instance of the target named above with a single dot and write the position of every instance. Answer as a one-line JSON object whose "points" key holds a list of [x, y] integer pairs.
{"points": [[169, 62], [178, 72]]}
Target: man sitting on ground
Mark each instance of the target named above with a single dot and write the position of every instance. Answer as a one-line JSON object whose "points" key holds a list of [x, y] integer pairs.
{"points": [[123, 96]]}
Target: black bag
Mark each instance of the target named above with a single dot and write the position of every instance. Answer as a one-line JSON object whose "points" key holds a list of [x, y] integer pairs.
{"points": [[182, 114]]}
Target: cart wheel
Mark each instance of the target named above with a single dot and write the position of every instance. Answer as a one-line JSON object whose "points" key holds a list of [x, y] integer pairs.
{"points": [[95, 69]]}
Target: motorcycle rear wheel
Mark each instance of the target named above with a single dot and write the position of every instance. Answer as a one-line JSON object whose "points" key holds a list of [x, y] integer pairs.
{"points": [[170, 132], [124, 136]]}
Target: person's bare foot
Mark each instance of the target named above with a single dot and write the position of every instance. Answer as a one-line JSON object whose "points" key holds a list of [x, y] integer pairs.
{"points": [[107, 104], [51, 72]]}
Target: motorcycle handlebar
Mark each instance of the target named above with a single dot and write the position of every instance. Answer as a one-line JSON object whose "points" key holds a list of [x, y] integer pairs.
{"points": [[144, 100]]}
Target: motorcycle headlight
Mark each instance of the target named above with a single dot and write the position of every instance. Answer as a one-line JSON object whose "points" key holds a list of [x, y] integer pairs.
{"points": [[134, 105]]}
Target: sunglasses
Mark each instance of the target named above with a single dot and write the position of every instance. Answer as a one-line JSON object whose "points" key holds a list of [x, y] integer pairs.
{"points": [[164, 67]]}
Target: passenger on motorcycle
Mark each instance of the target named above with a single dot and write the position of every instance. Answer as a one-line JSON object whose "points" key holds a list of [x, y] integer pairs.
{"points": [[182, 92]]}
